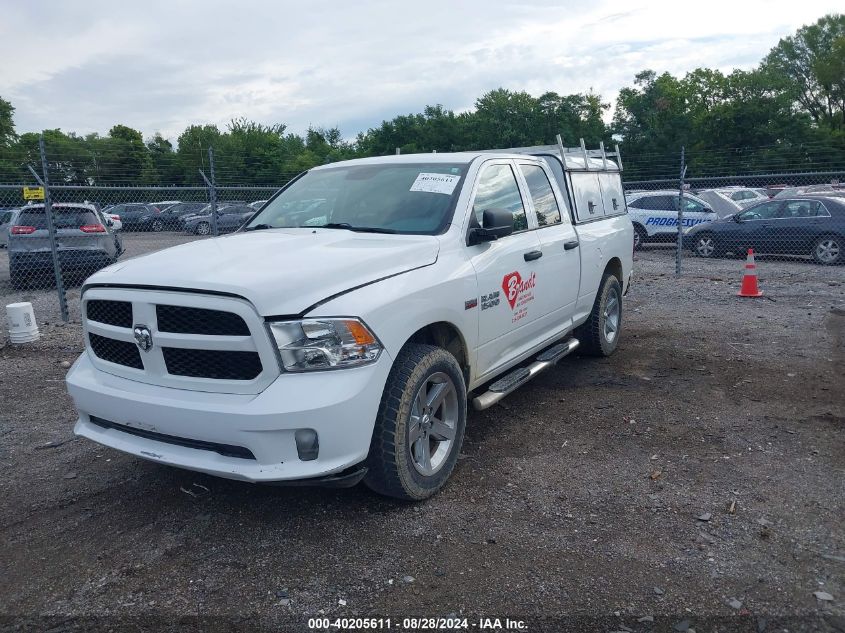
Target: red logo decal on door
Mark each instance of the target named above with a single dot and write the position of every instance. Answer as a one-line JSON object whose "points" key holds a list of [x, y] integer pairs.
{"points": [[514, 286]]}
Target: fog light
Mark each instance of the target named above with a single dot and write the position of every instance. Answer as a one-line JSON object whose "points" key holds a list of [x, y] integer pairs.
{"points": [[307, 444]]}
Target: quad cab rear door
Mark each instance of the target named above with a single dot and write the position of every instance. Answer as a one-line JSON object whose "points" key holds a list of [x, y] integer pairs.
{"points": [[559, 268]]}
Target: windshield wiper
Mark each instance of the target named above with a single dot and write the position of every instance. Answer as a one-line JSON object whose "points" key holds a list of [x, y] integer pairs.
{"points": [[357, 229], [258, 227]]}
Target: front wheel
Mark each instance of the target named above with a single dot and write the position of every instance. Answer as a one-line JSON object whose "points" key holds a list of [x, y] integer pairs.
{"points": [[599, 335], [157, 226], [420, 425], [203, 228], [827, 250]]}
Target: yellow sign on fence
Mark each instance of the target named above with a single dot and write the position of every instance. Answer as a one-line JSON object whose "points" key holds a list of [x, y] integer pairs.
{"points": [[33, 193]]}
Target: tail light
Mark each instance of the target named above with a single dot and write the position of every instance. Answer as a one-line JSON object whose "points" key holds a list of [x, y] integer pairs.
{"points": [[92, 228], [23, 230]]}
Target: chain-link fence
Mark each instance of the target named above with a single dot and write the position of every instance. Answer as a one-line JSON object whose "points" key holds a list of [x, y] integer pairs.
{"points": [[789, 217], [796, 218], [62, 226]]}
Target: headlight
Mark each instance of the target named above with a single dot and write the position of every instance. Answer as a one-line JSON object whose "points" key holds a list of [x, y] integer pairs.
{"points": [[314, 344]]}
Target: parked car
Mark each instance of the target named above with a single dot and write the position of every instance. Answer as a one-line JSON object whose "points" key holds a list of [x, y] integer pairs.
{"points": [[257, 204], [138, 216], [791, 192], [172, 216], [164, 205], [654, 215], [7, 219], [741, 196], [229, 218], [85, 242], [343, 346], [116, 222], [721, 204], [806, 225]]}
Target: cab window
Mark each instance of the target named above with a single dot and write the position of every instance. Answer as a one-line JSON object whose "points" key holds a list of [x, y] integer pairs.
{"points": [[765, 211], [497, 189], [799, 209], [542, 195]]}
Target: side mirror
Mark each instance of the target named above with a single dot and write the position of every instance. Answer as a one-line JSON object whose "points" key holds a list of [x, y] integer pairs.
{"points": [[736, 218], [706, 210], [496, 223]]}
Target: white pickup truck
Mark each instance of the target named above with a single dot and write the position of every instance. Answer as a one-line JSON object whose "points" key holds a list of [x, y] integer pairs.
{"points": [[339, 335]]}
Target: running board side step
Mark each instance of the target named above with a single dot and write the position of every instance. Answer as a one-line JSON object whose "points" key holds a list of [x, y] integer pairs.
{"points": [[518, 377]]}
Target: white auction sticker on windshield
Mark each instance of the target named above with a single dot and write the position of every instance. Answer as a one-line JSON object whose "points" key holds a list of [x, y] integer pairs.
{"points": [[436, 183]]}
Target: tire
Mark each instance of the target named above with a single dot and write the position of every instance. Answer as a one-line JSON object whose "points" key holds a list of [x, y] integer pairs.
{"points": [[828, 250], [705, 245], [157, 226], [396, 463], [203, 228], [640, 236], [599, 335]]}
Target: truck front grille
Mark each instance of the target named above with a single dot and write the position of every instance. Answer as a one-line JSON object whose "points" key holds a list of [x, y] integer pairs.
{"points": [[117, 313], [117, 352], [179, 339], [187, 320], [209, 363]]}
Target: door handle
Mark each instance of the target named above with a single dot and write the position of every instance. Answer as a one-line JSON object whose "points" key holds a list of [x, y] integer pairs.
{"points": [[568, 246], [532, 255]]}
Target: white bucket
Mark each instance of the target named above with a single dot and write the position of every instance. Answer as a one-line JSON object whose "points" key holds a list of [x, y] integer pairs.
{"points": [[22, 325]]}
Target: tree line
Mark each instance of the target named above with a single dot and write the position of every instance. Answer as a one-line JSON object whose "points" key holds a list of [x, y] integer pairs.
{"points": [[787, 114]]}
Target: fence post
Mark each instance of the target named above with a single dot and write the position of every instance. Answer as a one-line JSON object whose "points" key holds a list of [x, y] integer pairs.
{"points": [[212, 191], [214, 228], [680, 246], [44, 181]]}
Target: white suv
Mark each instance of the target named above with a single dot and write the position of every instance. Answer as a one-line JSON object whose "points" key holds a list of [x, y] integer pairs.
{"points": [[654, 214]]}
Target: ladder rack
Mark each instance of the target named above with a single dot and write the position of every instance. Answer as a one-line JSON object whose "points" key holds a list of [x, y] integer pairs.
{"points": [[574, 158]]}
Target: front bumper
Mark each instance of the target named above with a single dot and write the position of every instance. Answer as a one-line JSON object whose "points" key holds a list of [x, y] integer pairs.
{"points": [[341, 406]]}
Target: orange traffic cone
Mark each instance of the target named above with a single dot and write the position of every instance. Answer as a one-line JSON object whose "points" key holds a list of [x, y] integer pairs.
{"points": [[749, 281]]}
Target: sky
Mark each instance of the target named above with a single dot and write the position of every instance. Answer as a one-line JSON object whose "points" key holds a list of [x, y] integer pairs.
{"points": [[159, 66]]}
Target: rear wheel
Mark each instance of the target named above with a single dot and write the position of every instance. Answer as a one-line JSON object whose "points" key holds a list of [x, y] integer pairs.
{"points": [[640, 236], [157, 226], [705, 245], [599, 335], [203, 228], [827, 250], [420, 425]]}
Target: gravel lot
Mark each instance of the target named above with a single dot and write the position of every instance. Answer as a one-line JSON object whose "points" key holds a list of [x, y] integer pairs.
{"points": [[701, 467]]}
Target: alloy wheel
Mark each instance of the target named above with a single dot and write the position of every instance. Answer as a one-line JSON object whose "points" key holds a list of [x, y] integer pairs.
{"points": [[433, 423]]}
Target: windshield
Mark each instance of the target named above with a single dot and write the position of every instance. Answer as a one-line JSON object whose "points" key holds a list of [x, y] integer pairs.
{"points": [[413, 198]]}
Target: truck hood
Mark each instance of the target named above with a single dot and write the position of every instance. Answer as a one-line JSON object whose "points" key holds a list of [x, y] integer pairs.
{"points": [[280, 271]]}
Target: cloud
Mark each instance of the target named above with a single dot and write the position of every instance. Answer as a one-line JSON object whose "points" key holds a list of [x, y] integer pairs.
{"points": [[161, 65]]}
